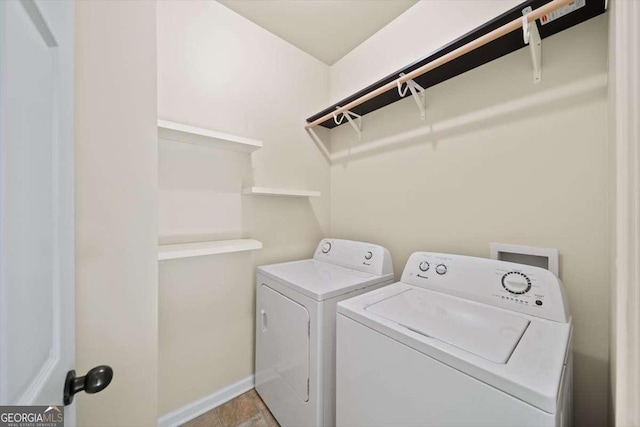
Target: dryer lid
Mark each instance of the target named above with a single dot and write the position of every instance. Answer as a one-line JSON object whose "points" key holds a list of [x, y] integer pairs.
{"points": [[320, 280], [477, 328]]}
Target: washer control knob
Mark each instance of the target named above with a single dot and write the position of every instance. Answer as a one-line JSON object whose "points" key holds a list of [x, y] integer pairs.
{"points": [[423, 266], [368, 255], [326, 247], [516, 282], [441, 269]]}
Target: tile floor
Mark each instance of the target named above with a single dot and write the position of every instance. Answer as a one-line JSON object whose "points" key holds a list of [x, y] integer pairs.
{"points": [[246, 410]]}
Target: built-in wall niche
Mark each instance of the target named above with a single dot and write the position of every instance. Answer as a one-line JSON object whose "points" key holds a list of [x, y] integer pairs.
{"points": [[200, 173]]}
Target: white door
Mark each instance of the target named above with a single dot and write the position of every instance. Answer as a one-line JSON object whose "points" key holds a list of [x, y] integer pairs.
{"points": [[36, 202]]}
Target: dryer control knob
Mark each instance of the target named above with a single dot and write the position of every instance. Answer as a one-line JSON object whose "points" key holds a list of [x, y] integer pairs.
{"points": [[326, 247], [368, 255], [441, 269], [516, 282], [423, 266]]}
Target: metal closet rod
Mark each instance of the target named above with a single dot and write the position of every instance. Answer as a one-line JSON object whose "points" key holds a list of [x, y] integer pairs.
{"points": [[472, 45]]}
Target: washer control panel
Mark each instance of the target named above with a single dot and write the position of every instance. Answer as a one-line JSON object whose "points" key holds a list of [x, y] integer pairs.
{"points": [[360, 256], [517, 287]]}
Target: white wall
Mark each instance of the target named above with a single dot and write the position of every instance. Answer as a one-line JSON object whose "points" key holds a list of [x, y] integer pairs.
{"points": [[220, 71], [498, 159], [117, 209]]}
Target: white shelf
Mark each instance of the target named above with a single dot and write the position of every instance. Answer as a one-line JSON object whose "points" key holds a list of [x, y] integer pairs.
{"points": [[262, 191], [186, 250], [210, 138]]}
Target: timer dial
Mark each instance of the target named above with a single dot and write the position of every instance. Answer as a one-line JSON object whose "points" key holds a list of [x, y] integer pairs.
{"points": [[441, 269], [368, 255], [423, 266], [326, 247], [517, 283]]}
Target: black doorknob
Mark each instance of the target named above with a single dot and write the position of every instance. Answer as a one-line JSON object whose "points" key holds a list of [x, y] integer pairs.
{"points": [[96, 380]]}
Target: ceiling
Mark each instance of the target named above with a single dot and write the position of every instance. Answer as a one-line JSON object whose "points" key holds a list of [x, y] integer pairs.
{"points": [[325, 29]]}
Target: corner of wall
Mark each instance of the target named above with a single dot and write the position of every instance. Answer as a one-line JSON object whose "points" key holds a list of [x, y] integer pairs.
{"points": [[116, 209]]}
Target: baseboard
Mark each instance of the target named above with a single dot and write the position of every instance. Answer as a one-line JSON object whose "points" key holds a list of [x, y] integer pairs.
{"points": [[199, 407]]}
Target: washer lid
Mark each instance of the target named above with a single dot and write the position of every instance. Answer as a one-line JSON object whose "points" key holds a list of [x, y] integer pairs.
{"points": [[478, 329], [532, 373], [320, 280]]}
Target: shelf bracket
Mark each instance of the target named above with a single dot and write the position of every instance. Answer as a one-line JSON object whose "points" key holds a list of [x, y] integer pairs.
{"points": [[350, 116], [532, 38], [418, 94]]}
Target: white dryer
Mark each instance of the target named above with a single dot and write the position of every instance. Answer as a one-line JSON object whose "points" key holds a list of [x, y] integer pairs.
{"points": [[296, 326], [459, 341]]}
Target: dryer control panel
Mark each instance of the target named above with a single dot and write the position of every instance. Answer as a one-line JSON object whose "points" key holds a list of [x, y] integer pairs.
{"points": [[366, 257], [517, 287]]}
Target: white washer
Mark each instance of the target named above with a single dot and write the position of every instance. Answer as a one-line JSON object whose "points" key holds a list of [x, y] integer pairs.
{"points": [[296, 326], [459, 341]]}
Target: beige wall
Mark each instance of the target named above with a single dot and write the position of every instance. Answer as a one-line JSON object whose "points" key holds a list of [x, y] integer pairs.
{"points": [[116, 209], [424, 28], [612, 9], [497, 160], [218, 70]]}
